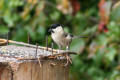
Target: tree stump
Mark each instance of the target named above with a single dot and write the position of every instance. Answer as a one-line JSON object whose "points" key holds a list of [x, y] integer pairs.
{"points": [[24, 63]]}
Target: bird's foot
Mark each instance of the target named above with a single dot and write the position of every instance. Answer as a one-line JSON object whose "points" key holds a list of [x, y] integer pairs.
{"points": [[68, 60]]}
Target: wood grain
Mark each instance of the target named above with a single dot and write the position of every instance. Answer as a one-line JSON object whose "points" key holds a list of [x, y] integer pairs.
{"points": [[49, 70]]}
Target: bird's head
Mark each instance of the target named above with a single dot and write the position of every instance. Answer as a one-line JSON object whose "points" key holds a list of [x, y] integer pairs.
{"points": [[55, 28]]}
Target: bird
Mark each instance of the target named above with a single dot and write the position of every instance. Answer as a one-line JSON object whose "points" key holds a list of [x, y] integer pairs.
{"points": [[60, 37]]}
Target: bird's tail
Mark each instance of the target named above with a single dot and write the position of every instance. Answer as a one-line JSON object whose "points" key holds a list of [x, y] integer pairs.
{"points": [[74, 37]]}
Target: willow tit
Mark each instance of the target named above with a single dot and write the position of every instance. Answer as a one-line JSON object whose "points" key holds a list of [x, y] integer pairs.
{"points": [[60, 37]]}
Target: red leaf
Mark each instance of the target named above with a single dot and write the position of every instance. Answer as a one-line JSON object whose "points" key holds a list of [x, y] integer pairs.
{"points": [[103, 18], [76, 6], [102, 27]]}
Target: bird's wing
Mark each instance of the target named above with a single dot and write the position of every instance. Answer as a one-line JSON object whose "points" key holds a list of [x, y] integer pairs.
{"points": [[65, 34]]}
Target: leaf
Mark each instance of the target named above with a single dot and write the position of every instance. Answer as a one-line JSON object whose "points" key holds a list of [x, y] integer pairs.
{"points": [[115, 14], [110, 54], [31, 32], [20, 35], [55, 15], [77, 45], [8, 19], [4, 29], [41, 32], [75, 5]]}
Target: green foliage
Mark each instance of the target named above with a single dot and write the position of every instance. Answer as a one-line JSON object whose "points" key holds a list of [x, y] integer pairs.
{"points": [[116, 14], [99, 57]]}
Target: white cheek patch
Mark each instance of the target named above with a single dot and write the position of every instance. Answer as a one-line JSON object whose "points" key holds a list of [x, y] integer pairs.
{"points": [[59, 29], [54, 30]]}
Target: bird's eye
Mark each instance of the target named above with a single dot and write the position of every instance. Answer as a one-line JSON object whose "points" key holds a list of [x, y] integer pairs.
{"points": [[52, 31]]}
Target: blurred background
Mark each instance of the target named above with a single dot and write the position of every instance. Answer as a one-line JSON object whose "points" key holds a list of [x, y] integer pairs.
{"points": [[98, 56]]}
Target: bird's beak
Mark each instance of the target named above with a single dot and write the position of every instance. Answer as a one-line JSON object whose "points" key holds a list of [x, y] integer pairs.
{"points": [[49, 30]]}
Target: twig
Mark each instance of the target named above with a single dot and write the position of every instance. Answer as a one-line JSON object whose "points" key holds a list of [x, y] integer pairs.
{"points": [[3, 41], [28, 38], [7, 38], [47, 42], [68, 60], [52, 46]]}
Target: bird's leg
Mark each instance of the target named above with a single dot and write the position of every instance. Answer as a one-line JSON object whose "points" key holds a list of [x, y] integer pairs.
{"points": [[67, 56], [59, 48], [67, 48]]}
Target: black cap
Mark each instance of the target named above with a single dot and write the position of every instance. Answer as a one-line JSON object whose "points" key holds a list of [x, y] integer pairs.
{"points": [[53, 26]]}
